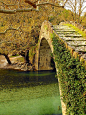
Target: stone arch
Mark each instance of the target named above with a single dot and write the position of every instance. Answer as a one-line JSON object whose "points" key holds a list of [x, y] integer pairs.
{"points": [[45, 48], [44, 59]]}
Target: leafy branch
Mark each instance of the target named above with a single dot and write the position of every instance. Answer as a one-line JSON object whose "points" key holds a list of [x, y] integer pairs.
{"points": [[10, 28]]}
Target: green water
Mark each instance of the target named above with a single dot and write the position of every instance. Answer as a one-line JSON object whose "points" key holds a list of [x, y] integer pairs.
{"points": [[29, 93]]}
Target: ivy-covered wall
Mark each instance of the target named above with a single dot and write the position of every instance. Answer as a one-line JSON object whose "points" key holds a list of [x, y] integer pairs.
{"points": [[72, 74]]}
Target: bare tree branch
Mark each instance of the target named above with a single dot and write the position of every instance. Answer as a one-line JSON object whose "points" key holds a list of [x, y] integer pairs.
{"points": [[70, 6], [16, 10], [65, 2], [31, 3], [47, 3], [83, 9]]}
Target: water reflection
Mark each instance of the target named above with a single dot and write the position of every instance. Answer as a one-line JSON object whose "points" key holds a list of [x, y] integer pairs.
{"points": [[14, 78], [29, 93]]}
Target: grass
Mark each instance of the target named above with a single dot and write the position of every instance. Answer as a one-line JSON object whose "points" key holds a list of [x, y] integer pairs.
{"points": [[20, 59], [15, 55]]}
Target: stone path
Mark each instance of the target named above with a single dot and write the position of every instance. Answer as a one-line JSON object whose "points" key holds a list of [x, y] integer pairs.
{"points": [[73, 39]]}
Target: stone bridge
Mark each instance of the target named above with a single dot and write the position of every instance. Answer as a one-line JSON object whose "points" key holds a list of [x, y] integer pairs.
{"points": [[73, 41]]}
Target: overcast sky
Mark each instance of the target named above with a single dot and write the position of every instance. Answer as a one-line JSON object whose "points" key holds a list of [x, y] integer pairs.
{"points": [[84, 5]]}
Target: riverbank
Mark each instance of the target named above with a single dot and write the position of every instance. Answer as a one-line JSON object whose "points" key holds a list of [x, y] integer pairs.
{"points": [[17, 64]]}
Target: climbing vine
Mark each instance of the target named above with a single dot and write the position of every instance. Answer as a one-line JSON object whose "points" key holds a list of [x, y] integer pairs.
{"points": [[71, 74]]}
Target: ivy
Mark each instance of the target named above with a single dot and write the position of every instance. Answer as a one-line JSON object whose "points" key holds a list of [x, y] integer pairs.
{"points": [[72, 78]]}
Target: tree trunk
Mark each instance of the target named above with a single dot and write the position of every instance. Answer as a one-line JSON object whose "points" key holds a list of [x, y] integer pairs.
{"points": [[7, 58], [75, 9], [26, 56], [80, 7]]}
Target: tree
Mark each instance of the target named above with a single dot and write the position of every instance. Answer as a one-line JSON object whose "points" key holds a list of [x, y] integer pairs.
{"points": [[83, 20], [19, 39], [7, 44], [81, 8], [15, 37], [77, 7]]}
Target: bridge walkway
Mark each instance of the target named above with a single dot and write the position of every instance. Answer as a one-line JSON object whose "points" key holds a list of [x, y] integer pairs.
{"points": [[73, 39]]}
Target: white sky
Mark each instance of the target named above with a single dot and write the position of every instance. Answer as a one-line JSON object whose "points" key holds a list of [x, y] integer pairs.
{"points": [[77, 8]]}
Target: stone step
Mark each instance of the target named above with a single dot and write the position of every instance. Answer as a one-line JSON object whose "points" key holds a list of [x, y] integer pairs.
{"points": [[77, 43], [60, 26], [80, 48], [74, 39], [72, 35], [67, 33], [81, 52], [64, 30]]}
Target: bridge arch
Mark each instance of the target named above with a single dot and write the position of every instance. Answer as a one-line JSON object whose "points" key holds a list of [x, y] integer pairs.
{"points": [[45, 48], [45, 59]]}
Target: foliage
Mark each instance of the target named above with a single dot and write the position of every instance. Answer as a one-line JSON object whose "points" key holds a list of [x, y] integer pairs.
{"points": [[52, 36], [29, 23], [72, 78]]}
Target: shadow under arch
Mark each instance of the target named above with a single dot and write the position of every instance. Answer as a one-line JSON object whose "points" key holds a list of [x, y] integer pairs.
{"points": [[45, 60]]}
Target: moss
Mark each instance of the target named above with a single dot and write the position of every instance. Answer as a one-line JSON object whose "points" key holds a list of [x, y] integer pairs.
{"points": [[46, 28], [15, 55], [77, 29], [52, 35], [71, 74]]}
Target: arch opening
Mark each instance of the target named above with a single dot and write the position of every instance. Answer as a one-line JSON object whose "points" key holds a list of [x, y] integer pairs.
{"points": [[46, 61]]}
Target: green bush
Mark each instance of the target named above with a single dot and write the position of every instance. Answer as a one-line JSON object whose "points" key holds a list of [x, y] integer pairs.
{"points": [[71, 73]]}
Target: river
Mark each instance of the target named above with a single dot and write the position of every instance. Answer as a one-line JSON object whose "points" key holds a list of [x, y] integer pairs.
{"points": [[29, 93]]}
